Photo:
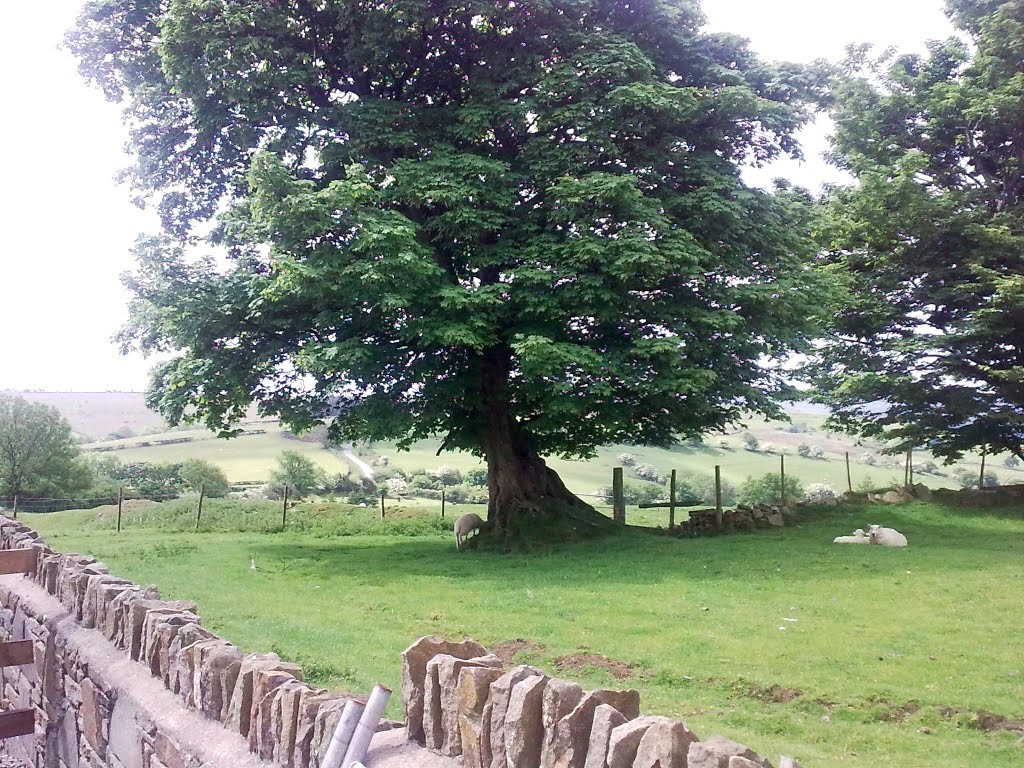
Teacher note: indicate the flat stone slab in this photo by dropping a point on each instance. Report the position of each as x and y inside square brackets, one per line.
[392, 749]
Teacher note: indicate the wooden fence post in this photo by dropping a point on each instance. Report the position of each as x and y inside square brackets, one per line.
[782, 473]
[618, 503]
[15, 506]
[284, 509]
[718, 497]
[981, 476]
[442, 503]
[672, 502]
[120, 499]
[849, 482]
[382, 505]
[910, 461]
[199, 512]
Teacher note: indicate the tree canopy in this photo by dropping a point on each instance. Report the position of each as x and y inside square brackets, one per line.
[520, 226]
[930, 244]
[38, 454]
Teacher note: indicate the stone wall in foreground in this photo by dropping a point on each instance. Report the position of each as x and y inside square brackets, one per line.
[96, 708]
[459, 701]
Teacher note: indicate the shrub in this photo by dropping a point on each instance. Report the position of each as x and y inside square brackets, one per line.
[991, 479]
[769, 448]
[869, 458]
[820, 493]
[804, 450]
[694, 442]
[633, 493]
[396, 486]
[647, 472]
[477, 477]
[626, 459]
[798, 428]
[817, 452]
[1011, 462]
[750, 442]
[197, 473]
[702, 489]
[767, 489]
[723, 444]
[447, 475]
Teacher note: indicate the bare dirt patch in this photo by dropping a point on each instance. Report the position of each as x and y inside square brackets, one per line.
[620, 670]
[897, 713]
[508, 650]
[982, 719]
[773, 694]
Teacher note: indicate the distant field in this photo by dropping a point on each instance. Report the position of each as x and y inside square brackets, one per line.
[838, 655]
[252, 457]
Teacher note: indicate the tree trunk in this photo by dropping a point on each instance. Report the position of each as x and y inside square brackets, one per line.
[527, 498]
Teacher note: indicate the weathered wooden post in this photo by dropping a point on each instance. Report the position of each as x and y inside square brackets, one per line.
[849, 482]
[672, 501]
[442, 503]
[382, 505]
[782, 473]
[199, 511]
[910, 464]
[120, 498]
[15, 506]
[981, 476]
[618, 502]
[718, 497]
[284, 509]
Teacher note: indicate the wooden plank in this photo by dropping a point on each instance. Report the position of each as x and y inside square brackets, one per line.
[16, 653]
[17, 722]
[17, 560]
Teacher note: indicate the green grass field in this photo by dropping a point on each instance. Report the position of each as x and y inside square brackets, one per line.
[838, 655]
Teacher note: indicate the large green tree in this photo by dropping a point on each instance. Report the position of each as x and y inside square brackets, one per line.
[930, 345]
[38, 454]
[520, 226]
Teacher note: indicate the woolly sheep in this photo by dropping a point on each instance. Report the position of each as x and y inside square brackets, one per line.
[887, 537]
[858, 537]
[465, 525]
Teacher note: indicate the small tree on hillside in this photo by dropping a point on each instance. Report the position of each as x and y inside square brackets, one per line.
[38, 454]
[1011, 462]
[804, 450]
[300, 473]
[750, 442]
[199, 474]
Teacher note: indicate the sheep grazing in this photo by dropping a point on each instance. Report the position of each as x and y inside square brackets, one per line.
[887, 537]
[858, 537]
[465, 525]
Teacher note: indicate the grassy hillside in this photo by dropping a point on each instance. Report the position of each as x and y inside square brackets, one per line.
[252, 456]
[95, 415]
[839, 655]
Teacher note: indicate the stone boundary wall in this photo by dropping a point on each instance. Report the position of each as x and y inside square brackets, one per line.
[95, 709]
[458, 700]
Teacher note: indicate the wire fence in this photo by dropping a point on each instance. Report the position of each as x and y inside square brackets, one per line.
[15, 504]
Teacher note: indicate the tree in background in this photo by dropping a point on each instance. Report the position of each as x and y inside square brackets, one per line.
[520, 226]
[199, 474]
[300, 473]
[930, 244]
[38, 454]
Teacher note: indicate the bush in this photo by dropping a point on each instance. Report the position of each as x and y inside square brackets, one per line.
[819, 493]
[626, 459]
[798, 428]
[633, 493]
[1011, 462]
[769, 448]
[199, 474]
[476, 477]
[804, 450]
[927, 468]
[447, 475]
[750, 442]
[702, 490]
[817, 452]
[869, 458]
[647, 472]
[991, 479]
[767, 489]
[341, 484]
[723, 444]
[396, 486]
[694, 442]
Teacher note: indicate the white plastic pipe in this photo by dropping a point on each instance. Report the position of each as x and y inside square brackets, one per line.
[367, 726]
[343, 734]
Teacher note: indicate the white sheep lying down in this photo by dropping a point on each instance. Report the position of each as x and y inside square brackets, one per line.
[858, 537]
[887, 537]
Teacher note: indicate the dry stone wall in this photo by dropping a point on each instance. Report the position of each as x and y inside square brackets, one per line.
[95, 708]
[459, 700]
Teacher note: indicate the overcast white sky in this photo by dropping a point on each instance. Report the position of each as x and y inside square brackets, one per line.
[67, 228]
